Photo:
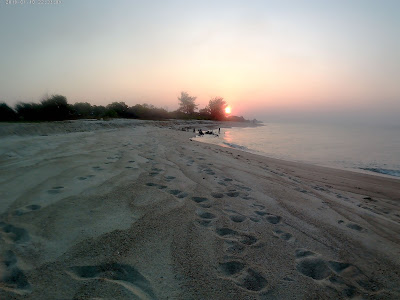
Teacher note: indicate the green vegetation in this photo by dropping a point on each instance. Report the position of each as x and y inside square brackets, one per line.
[56, 108]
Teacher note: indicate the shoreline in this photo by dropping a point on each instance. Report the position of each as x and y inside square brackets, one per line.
[84, 125]
[313, 168]
[142, 211]
[356, 170]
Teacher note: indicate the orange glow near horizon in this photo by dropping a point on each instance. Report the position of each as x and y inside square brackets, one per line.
[228, 110]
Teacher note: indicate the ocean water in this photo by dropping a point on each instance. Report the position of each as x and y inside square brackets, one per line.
[366, 149]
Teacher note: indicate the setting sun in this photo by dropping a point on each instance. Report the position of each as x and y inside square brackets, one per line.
[228, 110]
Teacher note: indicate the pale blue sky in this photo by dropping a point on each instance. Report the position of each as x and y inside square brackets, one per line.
[266, 58]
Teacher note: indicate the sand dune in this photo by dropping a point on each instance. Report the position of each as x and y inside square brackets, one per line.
[138, 211]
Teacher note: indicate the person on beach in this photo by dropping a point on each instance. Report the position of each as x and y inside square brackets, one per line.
[219, 130]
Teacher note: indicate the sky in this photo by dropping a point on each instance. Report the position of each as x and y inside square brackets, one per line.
[270, 60]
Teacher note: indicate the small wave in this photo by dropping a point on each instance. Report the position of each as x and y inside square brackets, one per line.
[236, 146]
[383, 171]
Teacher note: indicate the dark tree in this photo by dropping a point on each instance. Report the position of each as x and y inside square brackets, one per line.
[204, 113]
[55, 108]
[110, 113]
[119, 107]
[187, 103]
[216, 108]
[7, 113]
[29, 111]
[98, 111]
[83, 110]
[148, 111]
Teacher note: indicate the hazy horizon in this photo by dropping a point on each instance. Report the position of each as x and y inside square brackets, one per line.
[270, 60]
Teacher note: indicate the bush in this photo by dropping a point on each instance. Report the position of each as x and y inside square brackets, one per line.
[150, 112]
[29, 111]
[83, 110]
[7, 113]
[120, 108]
[98, 111]
[110, 113]
[55, 108]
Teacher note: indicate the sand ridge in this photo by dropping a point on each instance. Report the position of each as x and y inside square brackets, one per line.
[141, 212]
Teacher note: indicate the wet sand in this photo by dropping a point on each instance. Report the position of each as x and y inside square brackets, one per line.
[139, 211]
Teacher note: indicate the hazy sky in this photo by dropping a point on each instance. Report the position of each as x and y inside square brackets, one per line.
[268, 59]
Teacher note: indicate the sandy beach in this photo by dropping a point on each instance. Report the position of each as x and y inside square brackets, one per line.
[137, 210]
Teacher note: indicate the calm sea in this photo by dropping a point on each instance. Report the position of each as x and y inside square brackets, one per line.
[358, 148]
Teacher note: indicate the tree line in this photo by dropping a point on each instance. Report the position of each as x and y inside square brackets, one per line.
[57, 108]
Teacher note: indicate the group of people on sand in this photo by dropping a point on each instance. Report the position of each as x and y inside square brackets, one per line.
[207, 132]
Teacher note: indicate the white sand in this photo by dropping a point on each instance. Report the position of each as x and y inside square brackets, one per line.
[135, 210]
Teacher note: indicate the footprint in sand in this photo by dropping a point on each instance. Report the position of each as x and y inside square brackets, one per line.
[199, 199]
[237, 218]
[209, 171]
[259, 206]
[13, 234]
[12, 278]
[160, 186]
[233, 247]
[86, 177]
[217, 195]
[178, 193]
[241, 275]
[225, 181]
[113, 157]
[121, 274]
[273, 219]
[97, 168]
[260, 213]
[311, 265]
[230, 234]
[353, 226]
[232, 194]
[205, 217]
[202, 201]
[248, 239]
[55, 190]
[283, 235]
[226, 232]
[157, 170]
[169, 178]
[254, 219]
[26, 209]
[206, 170]
[346, 278]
